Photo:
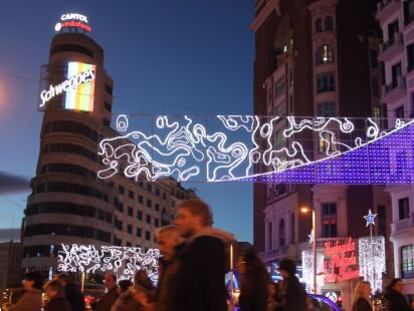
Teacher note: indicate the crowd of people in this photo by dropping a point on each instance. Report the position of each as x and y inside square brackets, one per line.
[195, 259]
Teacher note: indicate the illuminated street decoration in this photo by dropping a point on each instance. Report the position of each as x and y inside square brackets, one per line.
[340, 262]
[73, 20]
[370, 218]
[260, 149]
[372, 260]
[123, 261]
[79, 88]
[307, 265]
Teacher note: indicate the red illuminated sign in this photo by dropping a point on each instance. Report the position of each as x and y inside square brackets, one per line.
[340, 262]
[73, 20]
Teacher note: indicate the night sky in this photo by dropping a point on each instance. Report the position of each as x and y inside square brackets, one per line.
[165, 57]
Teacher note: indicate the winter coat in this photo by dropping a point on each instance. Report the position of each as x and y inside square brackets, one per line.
[361, 305]
[107, 300]
[30, 301]
[199, 284]
[253, 295]
[75, 297]
[295, 295]
[59, 303]
[395, 301]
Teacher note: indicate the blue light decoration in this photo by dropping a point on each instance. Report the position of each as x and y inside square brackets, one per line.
[370, 218]
[247, 148]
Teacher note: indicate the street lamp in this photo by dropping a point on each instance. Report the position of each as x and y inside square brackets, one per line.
[305, 210]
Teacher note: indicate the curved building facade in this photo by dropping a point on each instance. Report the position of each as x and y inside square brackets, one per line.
[68, 203]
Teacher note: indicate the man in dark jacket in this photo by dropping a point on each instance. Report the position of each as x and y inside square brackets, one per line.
[56, 298]
[107, 300]
[202, 264]
[295, 295]
[394, 299]
[72, 292]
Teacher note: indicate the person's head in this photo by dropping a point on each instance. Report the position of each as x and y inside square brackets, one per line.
[396, 284]
[273, 289]
[110, 280]
[124, 285]
[53, 289]
[287, 268]
[141, 279]
[362, 290]
[63, 278]
[250, 265]
[32, 280]
[193, 215]
[168, 238]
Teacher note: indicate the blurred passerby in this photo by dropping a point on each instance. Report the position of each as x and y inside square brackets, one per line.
[31, 299]
[313, 304]
[394, 299]
[294, 298]
[123, 286]
[107, 300]
[203, 264]
[253, 285]
[274, 298]
[57, 300]
[72, 292]
[360, 300]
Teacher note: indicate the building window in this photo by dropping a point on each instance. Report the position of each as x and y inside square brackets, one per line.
[393, 28]
[139, 232]
[280, 86]
[147, 235]
[407, 261]
[373, 55]
[282, 232]
[399, 112]
[292, 215]
[121, 189]
[396, 72]
[375, 87]
[140, 199]
[404, 208]
[148, 219]
[131, 194]
[318, 25]
[326, 109]
[156, 222]
[329, 23]
[108, 106]
[149, 187]
[410, 57]
[129, 229]
[139, 215]
[157, 207]
[324, 55]
[149, 203]
[408, 11]
[108, 89]
[157, 192]
[130, 211]
[329, 220]
[325, 83]
[270, 235]
[382, 220]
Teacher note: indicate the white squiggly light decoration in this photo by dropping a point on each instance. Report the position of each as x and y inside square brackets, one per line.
[123, 261]
[372, 260]
[187, 149]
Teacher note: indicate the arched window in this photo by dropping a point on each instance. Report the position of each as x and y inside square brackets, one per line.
[318, 25]
[282, 232]
[325, 55]
[328, 23]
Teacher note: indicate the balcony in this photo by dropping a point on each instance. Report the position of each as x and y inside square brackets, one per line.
[402, 225]
[386, 8]
[394, 91]
[393, 47]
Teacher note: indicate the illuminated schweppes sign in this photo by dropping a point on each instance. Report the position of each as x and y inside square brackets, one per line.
[79, 88]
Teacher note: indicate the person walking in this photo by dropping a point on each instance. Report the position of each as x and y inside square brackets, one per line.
[394, 299]
[360, 301]
[107, 300]
[294, 298]
[274, 299]
[254, 280]
[72, 292]
[31, 299]
[57, 300]
[204, 261]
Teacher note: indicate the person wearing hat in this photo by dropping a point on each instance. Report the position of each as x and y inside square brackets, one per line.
[31, 299]
[294, 294]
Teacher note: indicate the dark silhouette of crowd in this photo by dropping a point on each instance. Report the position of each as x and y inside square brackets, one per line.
[194, 260]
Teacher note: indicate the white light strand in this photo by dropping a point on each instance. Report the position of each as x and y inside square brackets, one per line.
[123, 261]
[187, 150]
[372, 263]
[307, 266]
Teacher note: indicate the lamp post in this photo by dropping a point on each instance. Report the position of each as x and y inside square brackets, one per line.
[306, 210]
